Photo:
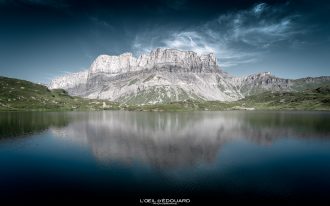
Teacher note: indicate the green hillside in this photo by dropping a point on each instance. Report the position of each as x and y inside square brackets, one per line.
[316, 99]
[20, 95]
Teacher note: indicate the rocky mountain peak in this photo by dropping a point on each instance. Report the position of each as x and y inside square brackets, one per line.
[69, 80]
[159, 57]
[113, 64]
[259, 75]
[166, 75]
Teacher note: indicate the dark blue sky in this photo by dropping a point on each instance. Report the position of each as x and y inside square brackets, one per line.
[41, 39]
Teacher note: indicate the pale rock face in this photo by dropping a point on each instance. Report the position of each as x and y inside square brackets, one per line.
[166, 75]
[163, 75]
[113, 64]
[239, 81]
[127, 63]
[69, 80]
[261, 82]
[163, 86]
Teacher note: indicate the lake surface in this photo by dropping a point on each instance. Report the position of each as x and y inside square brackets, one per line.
[128, 157]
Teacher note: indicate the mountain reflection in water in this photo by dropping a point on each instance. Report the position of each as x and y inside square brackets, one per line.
[183, 140]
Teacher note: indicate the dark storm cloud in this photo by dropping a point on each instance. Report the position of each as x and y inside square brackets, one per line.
[41, 38]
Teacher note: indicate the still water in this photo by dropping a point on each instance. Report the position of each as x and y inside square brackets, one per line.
[126, 157]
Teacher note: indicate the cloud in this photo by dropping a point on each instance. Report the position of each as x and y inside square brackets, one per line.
[189, 41]
[259, 8]
[236, 37]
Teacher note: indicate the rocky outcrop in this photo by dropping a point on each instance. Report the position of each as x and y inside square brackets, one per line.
[261, 82]
[166, 75]
[163, 75]
[74, 83]
[265, 81]
[112, 65]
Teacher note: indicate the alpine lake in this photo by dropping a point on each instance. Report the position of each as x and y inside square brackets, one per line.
[144, 158]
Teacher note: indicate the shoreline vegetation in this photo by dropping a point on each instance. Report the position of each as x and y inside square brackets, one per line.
[21, 95]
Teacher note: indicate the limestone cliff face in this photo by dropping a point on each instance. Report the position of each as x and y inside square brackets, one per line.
[163, 75]
[124, 63]
[166, 75]
[75, 83]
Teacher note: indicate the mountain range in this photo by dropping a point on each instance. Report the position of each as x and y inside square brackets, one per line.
[167, 75]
